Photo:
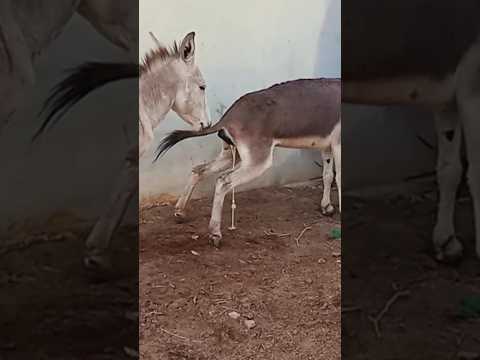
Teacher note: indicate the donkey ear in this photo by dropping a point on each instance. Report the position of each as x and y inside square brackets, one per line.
[187, 49]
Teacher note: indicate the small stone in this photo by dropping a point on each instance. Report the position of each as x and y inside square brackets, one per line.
[234, 315]
[195, 237]
[250, 324]
[309, 281]
[322, 261]
[249, 316]
[195, 253]
[336, 254]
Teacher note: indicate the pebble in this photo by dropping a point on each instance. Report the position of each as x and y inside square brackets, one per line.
[250, 324]
[234, 315]
[322, 261]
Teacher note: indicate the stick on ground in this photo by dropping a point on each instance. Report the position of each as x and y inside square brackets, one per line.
[376, 319]
[297, 239]
[178, 336]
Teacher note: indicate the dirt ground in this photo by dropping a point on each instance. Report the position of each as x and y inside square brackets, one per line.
[189, 290]
[386, 249]
[51, 308]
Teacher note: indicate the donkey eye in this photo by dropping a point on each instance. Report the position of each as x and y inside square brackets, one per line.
[202, 87]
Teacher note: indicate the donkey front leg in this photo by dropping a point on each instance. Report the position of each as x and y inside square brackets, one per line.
[200, 172]
[449, 173]
[326, 204]
[251, 167]
[99, 239]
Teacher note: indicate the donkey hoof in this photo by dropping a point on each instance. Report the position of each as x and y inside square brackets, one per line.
[327, 210]
[97, 262]
[180, 216]
[215, 239]
[451, 252]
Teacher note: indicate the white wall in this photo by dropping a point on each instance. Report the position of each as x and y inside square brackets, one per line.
[241, 46]
[380, 145]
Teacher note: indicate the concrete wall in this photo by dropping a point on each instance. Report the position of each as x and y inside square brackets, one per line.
[380, 145]
[241, 46]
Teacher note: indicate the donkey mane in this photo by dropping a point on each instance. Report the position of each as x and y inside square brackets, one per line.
[161, 53]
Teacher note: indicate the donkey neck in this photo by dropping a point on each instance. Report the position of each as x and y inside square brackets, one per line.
[158, 89]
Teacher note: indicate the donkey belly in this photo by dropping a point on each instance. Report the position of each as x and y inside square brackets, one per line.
[307, 142]
[400, 91]
[314, 140]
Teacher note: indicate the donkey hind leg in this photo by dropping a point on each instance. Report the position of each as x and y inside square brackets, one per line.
[200, 172]
[99, 239]
[252, 166]
[326, 204]
[449, 173]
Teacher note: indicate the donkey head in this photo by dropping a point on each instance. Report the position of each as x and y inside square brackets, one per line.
[190, 101]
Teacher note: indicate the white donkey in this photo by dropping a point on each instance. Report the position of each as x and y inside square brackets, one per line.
[26, 31]
[169, 79]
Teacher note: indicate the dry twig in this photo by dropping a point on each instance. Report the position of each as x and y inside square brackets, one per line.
[178, 336]
[272, 233]
[376, 319]
[297, 239]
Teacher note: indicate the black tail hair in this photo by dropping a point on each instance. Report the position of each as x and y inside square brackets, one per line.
[178, 135]
[81, 81]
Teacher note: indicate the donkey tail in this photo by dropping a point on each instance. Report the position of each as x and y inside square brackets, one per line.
[178, 135]
[78, 84]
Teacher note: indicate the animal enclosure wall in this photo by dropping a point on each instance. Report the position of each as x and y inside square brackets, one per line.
[241, 47]
[385, 145]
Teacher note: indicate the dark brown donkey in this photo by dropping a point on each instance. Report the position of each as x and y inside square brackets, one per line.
[302, 114]
[425, 53]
